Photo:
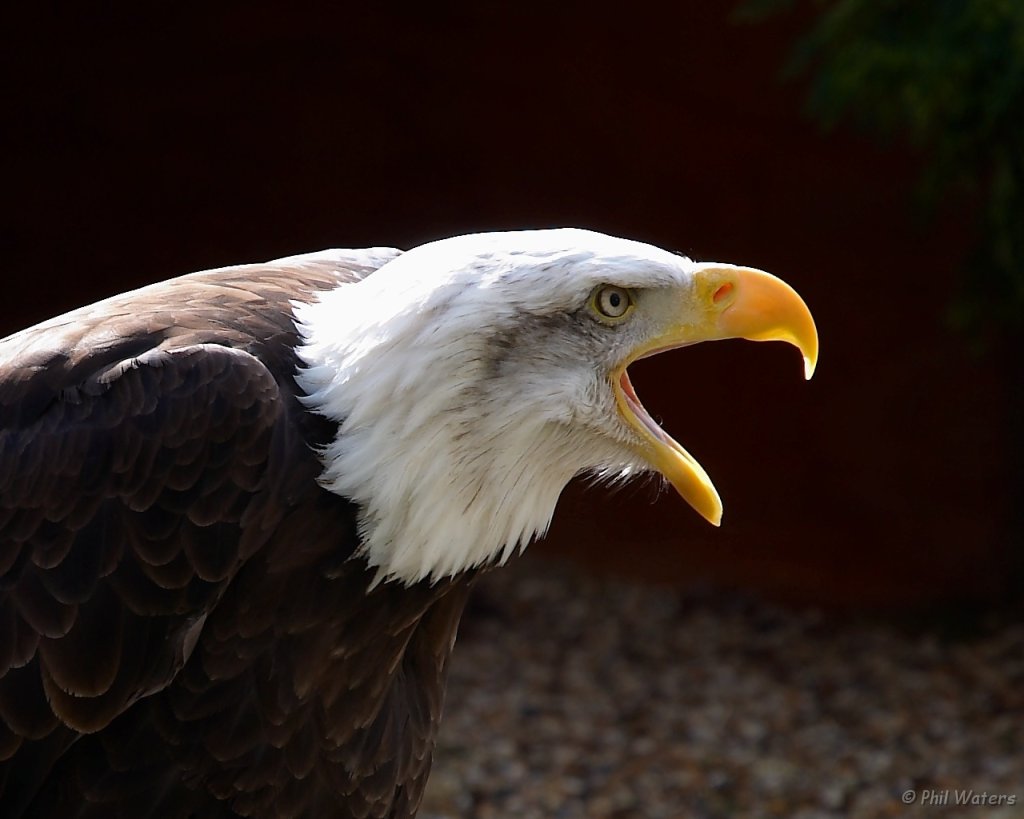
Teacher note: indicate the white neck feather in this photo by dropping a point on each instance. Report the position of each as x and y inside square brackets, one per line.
[465, 397]
[451, 466]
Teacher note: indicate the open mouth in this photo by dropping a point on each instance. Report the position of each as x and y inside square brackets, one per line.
[666, 454]
[640, 412]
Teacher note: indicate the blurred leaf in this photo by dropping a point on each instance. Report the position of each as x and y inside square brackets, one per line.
[948, 78]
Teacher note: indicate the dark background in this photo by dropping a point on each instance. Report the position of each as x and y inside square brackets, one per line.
[144, 148]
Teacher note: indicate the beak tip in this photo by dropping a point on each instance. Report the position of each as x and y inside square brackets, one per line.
[714, 515]
[809, 365]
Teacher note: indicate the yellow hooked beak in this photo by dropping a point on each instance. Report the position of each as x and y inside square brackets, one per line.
[726, 302]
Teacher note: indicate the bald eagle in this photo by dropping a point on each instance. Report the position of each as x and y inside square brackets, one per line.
[241, 510]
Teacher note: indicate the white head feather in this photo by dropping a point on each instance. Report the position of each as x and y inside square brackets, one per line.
[470, 384]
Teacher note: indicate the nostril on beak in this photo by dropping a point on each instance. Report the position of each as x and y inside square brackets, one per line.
[722, 292]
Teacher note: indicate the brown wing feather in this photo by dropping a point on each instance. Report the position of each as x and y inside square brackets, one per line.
[99, 651]
[183, 631]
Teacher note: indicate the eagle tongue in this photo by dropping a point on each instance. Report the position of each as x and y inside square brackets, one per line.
[681, 469]
[641, 412]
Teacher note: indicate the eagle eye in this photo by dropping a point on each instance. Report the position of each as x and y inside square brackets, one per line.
[611, 302]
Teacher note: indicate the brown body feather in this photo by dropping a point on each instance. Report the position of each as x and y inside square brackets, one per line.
[184, 631]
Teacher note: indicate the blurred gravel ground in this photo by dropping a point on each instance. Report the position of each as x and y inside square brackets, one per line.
[573, 696]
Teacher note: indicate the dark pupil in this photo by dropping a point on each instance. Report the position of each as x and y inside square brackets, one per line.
[614, 299]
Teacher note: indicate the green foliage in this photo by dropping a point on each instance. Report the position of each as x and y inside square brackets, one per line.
[947, 76]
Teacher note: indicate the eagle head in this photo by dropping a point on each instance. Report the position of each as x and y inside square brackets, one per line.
[471, 378]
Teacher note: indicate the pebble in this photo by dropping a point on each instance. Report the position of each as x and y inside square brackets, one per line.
[578, 697]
